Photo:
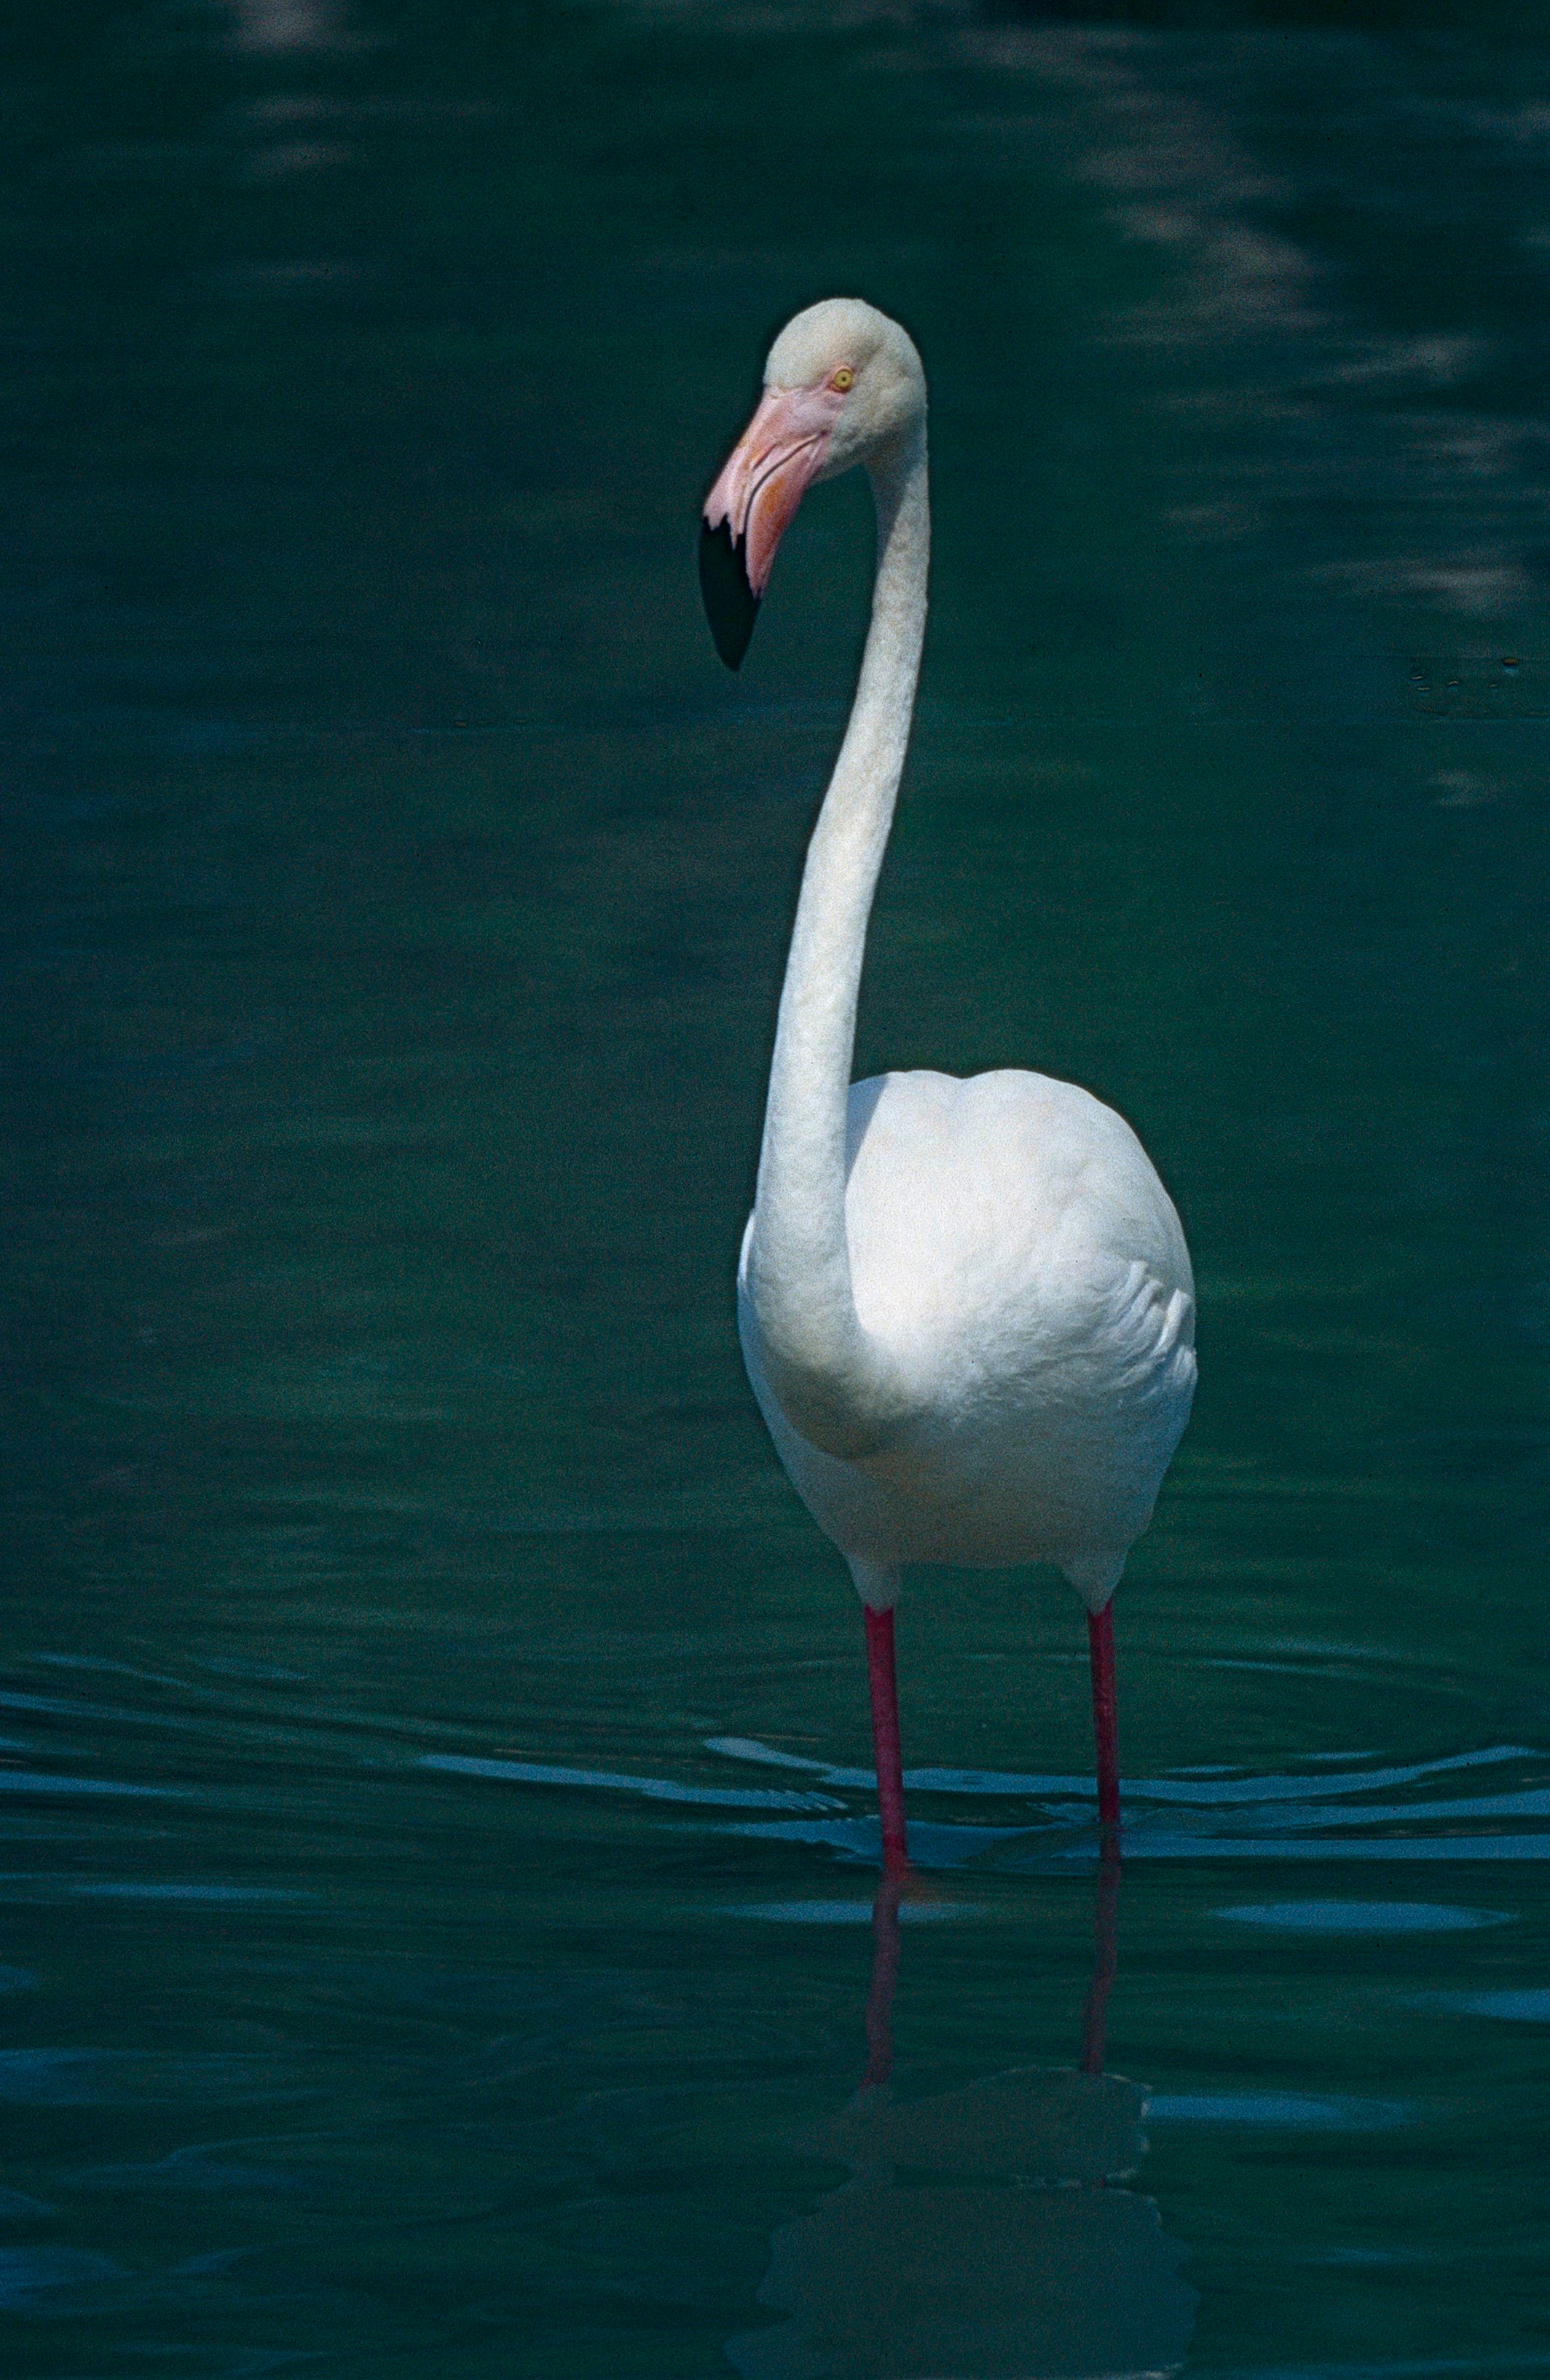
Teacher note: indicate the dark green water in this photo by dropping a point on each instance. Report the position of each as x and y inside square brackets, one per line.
[397, 898]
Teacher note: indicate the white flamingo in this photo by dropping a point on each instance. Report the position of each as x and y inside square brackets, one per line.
[966, 1306]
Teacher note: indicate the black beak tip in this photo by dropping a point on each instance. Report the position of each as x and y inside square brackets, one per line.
[731, 605]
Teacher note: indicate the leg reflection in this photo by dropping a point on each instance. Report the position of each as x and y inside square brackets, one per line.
[1106, 1952]
[885, 1974]
[941, 2253]
[886, 1947]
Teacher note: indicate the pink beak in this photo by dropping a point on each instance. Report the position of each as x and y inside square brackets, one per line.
[769, 471]
[750, 506]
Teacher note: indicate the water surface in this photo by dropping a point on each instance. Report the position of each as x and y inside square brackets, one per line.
[439, 1934]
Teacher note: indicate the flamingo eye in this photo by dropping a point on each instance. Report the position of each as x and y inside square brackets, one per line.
[843, 379]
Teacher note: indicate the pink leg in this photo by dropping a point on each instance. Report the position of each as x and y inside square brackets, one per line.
[1099, 1645]
[884, 1736]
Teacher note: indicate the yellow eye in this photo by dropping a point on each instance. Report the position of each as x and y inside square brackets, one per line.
[843, 379]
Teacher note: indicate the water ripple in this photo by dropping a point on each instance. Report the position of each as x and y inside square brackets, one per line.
[652, 1789]
[1189, 1817]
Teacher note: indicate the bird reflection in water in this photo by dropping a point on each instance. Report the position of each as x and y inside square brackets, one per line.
[984, 2234]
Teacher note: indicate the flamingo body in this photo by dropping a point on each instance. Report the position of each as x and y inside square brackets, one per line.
[1013, 1250]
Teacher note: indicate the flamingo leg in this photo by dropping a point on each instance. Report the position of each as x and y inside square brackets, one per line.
[882, 1681]
[1099, 1645]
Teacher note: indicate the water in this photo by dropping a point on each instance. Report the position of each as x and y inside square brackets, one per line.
[439, 1931]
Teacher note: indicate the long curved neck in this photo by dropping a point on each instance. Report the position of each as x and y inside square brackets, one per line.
[834, 1384]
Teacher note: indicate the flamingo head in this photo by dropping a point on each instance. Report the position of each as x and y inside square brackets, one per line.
[843, 385]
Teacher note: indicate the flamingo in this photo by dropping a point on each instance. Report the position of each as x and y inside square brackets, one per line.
[964, 1306]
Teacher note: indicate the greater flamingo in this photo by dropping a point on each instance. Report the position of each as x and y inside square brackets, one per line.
[966, 1306]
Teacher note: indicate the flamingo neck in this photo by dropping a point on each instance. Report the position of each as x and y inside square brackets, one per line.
[833, 1383]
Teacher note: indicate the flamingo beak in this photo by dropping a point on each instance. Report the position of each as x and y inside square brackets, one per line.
[750, 506]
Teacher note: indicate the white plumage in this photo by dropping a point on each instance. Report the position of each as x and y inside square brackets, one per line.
[1013, 1250]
